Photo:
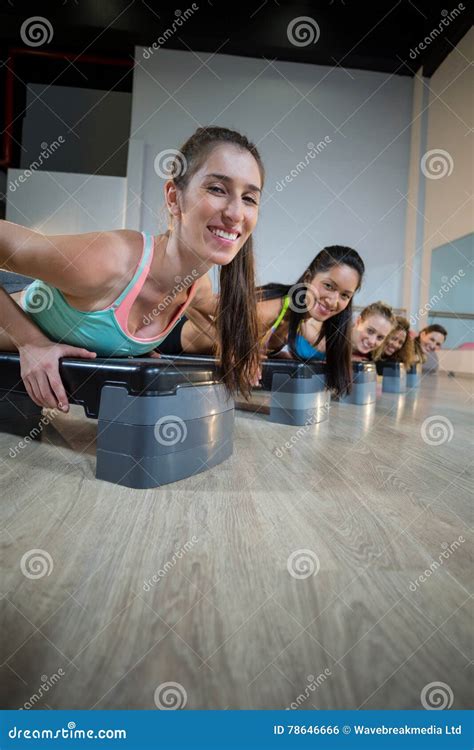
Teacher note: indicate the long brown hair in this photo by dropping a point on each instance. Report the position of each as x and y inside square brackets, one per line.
[236, 319]
[406, 353]
[336, 330]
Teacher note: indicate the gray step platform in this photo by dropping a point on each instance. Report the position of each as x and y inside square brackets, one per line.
[295, 391]
[158, 422]
[364, 385]
[414, 376]
[394, 376]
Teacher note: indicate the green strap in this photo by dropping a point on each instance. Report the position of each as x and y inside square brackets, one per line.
[282, 314]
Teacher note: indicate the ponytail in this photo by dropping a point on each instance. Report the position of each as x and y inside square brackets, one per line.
[236, 322]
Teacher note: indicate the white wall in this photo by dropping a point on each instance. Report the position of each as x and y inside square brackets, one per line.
[59, 202]
[350, 193]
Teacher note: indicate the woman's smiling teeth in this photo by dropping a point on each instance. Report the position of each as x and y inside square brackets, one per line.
[231, 236]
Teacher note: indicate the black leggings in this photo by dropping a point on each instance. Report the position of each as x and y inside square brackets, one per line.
[172, 343]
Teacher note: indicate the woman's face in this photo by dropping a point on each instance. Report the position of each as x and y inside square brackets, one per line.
[432, 341]
[395, 342]
[368, 334]
[329, 292]
[218, 210]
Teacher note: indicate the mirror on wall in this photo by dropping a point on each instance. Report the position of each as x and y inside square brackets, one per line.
[451, 298]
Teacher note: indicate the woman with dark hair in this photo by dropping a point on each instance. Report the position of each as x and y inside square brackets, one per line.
[427, 344]
[309, 320]
[313, 316]
[120, 293]
[371, 329]
[398, 346]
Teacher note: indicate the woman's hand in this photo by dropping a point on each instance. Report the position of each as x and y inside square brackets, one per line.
[257, 376]
[39, 362]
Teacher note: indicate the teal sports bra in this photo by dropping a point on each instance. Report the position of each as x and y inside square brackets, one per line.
[102, 331]
[302, 345]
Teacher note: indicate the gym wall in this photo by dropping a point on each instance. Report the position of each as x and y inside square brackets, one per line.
[350, 191]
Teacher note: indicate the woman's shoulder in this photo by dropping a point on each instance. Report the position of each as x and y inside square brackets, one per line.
[268, 310]
[115, 253]
[78, 264]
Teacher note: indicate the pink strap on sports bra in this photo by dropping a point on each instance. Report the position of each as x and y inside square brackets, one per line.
[122, 312]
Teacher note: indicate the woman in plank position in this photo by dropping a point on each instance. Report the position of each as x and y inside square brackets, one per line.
[120, 293]
[309, 320]
[427, 345]
[398, 346]
[371, 329]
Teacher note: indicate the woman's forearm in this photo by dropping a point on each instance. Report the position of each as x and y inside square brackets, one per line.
[16, 324]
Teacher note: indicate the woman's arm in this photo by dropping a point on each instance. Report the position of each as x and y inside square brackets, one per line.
[199, 334]
[77, 264]
[267, 312]
[16, 328]
[39, 357]
[205, 301]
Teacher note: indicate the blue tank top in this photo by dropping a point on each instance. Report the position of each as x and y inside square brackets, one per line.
[305, 350]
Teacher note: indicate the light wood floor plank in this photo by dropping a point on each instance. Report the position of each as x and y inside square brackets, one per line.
[191, 583]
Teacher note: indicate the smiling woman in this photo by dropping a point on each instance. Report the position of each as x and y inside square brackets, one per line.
[97, 290]
[312, 318]
[309, 320]
[371, 328]
[398, 346]
[428, 342]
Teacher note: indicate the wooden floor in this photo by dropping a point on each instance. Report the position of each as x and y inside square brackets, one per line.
[286, 576]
